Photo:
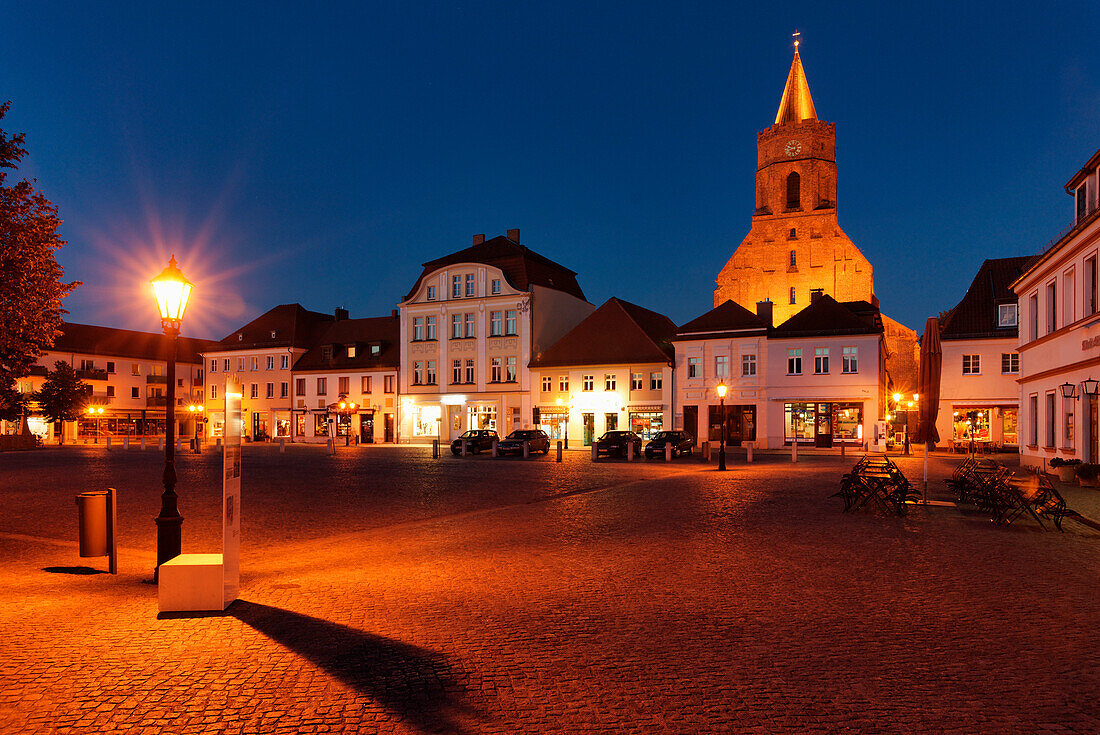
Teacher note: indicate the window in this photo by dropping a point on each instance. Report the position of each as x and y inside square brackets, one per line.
[748, 365]
[269, 390]
[470, 325]
[375, 350]
[695, 367]
[1033, 420]
[254, 363]
[470, 285]
[494, 370]
[848, 361]
[342, 385]
[494, 323]
[240, 364]
[791, 298]
[972, 364]
[496, 286]
[793, 260]
[456, 371]
[1010, 363]
[821, 360]
[456, 326]
[588, 382]
[470, 371]
[271, 362]
[225, 364]
[1050, 420]
[254, 390]
[213, 366]
[322, 386]
[563, 383]
[793, 235]
[352, 350]
[794, 361]
[1006, 315]
[510, 322]
[430, 328]
[418, 372]
[1090, 286]
[636, 381]
[110, 391]
[1052, 307]
[1082, 201]
[1067, 425]
[1033, 316]
[135, 369]
[1069, 291]
[547, 384]
[722, 366]
[431, 293]
[388, 383]
[608, 381]
[510, 369]
[284, 361]
[794, 195]
[213, 392]
[456, 287]
[418, 329]
[655, 381]
[299, 386]
[429, 372]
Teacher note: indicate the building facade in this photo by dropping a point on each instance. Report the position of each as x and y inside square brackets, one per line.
[1059, 342]
[614, 370]
[470, 326]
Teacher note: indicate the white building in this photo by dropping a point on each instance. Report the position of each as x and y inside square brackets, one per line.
[1060, 335]
[612, 371]
[470, 326]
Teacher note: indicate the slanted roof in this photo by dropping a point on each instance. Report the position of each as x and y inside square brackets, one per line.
[726, 317]
[976, 315]
[617, 333]
[521, 266]
[826, 316]
[111, 342]
[796, 105]
[293, 327]
[382, 330]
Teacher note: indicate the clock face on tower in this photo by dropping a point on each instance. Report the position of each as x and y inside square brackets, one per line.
[793, 148]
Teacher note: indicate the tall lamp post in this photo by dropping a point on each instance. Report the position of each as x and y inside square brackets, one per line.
[568, 413]
[721, 389]
[172, 291]
[96, 411]
[196, 412]
[346, 410]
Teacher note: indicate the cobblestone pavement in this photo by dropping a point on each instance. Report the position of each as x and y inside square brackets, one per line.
[383, 591]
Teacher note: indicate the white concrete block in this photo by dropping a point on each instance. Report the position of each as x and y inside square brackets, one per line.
[191, 583]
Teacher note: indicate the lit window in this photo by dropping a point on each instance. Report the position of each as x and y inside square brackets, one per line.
[695, 367]
[1010, 363]
[1006, 315]
[655, 381]
[748, 365]
[352, 350]
[722, 366]
[972, 364]
[547, 384]
[636, 381]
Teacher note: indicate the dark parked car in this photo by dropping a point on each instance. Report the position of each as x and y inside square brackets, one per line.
[681, 441]
[476, 441]
[614, 442]
[537, 440]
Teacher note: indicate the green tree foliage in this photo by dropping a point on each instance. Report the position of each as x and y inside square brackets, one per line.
[12, 403]
[30, 277]
[63, 395]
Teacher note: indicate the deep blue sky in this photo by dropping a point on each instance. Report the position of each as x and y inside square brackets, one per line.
[319, 152]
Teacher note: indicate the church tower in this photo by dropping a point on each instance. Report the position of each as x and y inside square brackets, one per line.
[795, 245]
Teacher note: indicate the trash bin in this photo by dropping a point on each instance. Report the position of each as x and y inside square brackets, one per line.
[92, 512]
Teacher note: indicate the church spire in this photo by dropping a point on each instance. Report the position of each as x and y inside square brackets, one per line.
[796, 105]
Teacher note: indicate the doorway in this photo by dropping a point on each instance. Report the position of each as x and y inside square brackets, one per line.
[366, 428]
[387, 428]
[610, 421]
[823, 431]
[691, 421]
[589, 420]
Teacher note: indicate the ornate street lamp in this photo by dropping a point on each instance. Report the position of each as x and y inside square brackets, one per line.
[347, 408]
[1069, 390]
[96, 411]
[1089, 387]
[196, 411]
[172, 291]
[721, 389]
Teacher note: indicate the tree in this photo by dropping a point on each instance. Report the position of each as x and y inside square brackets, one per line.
[30, 277]
[12, 403]
[62, 396]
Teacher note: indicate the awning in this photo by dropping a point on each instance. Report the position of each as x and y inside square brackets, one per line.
[985, 404]
[651, 409]
[553, 409]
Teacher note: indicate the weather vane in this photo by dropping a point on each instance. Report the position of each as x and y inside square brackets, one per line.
[795, 36]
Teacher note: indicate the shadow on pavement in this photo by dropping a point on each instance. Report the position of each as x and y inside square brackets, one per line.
[73, 570]
[414, 683]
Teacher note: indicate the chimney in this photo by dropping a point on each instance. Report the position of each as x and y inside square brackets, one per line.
[764, 311]
[815, 294]
[393, 313]
[478, 239]
[341, 314]
[513, 235]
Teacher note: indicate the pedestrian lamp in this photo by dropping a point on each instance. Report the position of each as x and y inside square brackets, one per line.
[1089, 387]
[721, 389]
[568, 412]
[97, 412]
[172, 291]
[196, 411]
[1069, 390]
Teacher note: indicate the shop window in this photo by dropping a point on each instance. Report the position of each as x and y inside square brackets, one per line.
[646, 424]
[320, 424]
[1033, 420]
[1067, 422]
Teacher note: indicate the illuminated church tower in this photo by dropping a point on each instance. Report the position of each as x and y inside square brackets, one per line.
[795, 245]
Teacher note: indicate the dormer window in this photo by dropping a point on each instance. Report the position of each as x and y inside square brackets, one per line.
[1082, 201]
[352, 351]
[375, 350]
[496, 286]
[1007, 315]
[431, 293]
[456, 287]
[326, 353]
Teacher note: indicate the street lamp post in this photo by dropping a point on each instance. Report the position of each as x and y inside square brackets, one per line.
[568, 412]
[96, 411]
[172, 291]
[721, 389]
[346, 411]
[196, 412]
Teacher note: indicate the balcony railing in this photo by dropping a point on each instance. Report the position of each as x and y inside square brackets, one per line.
[39, 370]
[91, 374]
[154, 401]
[1078, 222]
[156, 379]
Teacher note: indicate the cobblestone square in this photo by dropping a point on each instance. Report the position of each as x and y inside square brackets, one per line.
[383, 591]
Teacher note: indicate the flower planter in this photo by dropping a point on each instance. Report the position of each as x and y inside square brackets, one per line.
[1066, 473]
[1088, 481]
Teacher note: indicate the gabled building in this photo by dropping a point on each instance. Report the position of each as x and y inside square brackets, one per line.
[470, 326]
[347, 380]
[979, 396]
[612, 371]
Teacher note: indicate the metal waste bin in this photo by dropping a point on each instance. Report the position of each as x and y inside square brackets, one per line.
[92, 512]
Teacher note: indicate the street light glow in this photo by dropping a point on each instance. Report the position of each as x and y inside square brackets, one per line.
[172, 291]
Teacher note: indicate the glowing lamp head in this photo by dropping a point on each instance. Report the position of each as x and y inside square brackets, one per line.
[351, 406]
[343, 405]
[897, 397]
[91, 409]
[721, 390]
[172, 291]
[916, 397]
[559, 401]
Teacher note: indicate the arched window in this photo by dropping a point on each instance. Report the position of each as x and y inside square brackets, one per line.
[792, 294]
[794, 198]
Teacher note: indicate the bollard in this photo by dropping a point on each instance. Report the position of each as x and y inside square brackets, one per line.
[668, 451]
[594, 455]
[706, 451]
[198, 445]
[630, 451]
[143, 443]
[160, 443]
[125, 442]
[464, 443]
[218, 443]
[495, 452]
[177, 443]
[559, 451]
[841, 447]
[749, 447]
[526, 448]
[435, 449]
[282, 445]
[108, 442]
[331, 446]
[794, 450]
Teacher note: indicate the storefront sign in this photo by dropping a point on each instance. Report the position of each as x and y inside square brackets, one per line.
[1088, 344]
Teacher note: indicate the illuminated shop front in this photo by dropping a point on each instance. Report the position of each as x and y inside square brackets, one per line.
[426, 420]
[823, 424]
[482, 416]
[996, 425]
[553, 420]
[647, 422]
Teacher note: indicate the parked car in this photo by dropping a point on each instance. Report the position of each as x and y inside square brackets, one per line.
[537, 441]
[681, 441]
[615, 442]
[476, 441]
